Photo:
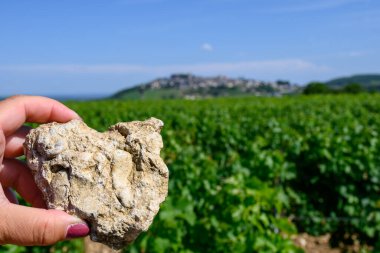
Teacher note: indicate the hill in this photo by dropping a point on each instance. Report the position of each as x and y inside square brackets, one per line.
[190, 86]
[369, 82]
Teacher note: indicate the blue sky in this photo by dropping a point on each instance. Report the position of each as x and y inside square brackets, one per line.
[99, 47]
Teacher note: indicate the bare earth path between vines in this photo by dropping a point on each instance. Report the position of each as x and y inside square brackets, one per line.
[320, 244]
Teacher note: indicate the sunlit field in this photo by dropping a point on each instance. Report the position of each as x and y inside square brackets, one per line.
[249, 174]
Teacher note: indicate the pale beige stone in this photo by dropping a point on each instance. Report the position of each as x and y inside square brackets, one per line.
[114, 180]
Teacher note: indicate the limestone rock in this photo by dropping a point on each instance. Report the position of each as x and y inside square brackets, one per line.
[114, 180]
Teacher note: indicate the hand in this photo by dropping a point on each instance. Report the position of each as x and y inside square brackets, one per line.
[23, 225]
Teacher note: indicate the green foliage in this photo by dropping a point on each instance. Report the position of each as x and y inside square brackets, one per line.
[353, 88]
[368, 82]
[73, 246]
[316, 88]
[322, 88]
[246, 172]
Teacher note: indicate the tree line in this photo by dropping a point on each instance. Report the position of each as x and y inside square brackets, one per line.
[322, 88]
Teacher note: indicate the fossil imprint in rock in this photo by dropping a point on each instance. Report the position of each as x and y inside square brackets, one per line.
[114, 180]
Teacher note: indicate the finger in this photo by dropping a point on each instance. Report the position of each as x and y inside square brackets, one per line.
[11, 196]
[14, 142]
[2, 145]
[3, 199]
[15, 111]
[16, 175]
[29, 226]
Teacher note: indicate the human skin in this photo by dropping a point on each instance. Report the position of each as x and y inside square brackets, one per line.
[22, 225]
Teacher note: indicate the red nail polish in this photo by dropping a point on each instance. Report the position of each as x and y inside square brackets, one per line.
[77, 230]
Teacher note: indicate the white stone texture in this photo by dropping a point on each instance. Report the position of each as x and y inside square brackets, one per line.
[115, 180]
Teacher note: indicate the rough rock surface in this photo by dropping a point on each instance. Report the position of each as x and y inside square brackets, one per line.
[114, 180]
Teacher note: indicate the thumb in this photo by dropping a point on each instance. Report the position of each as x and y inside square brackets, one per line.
[29, 226]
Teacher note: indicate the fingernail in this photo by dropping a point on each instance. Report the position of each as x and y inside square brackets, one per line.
[77, 230]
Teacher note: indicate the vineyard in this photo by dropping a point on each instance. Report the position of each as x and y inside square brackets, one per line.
[248, 173]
